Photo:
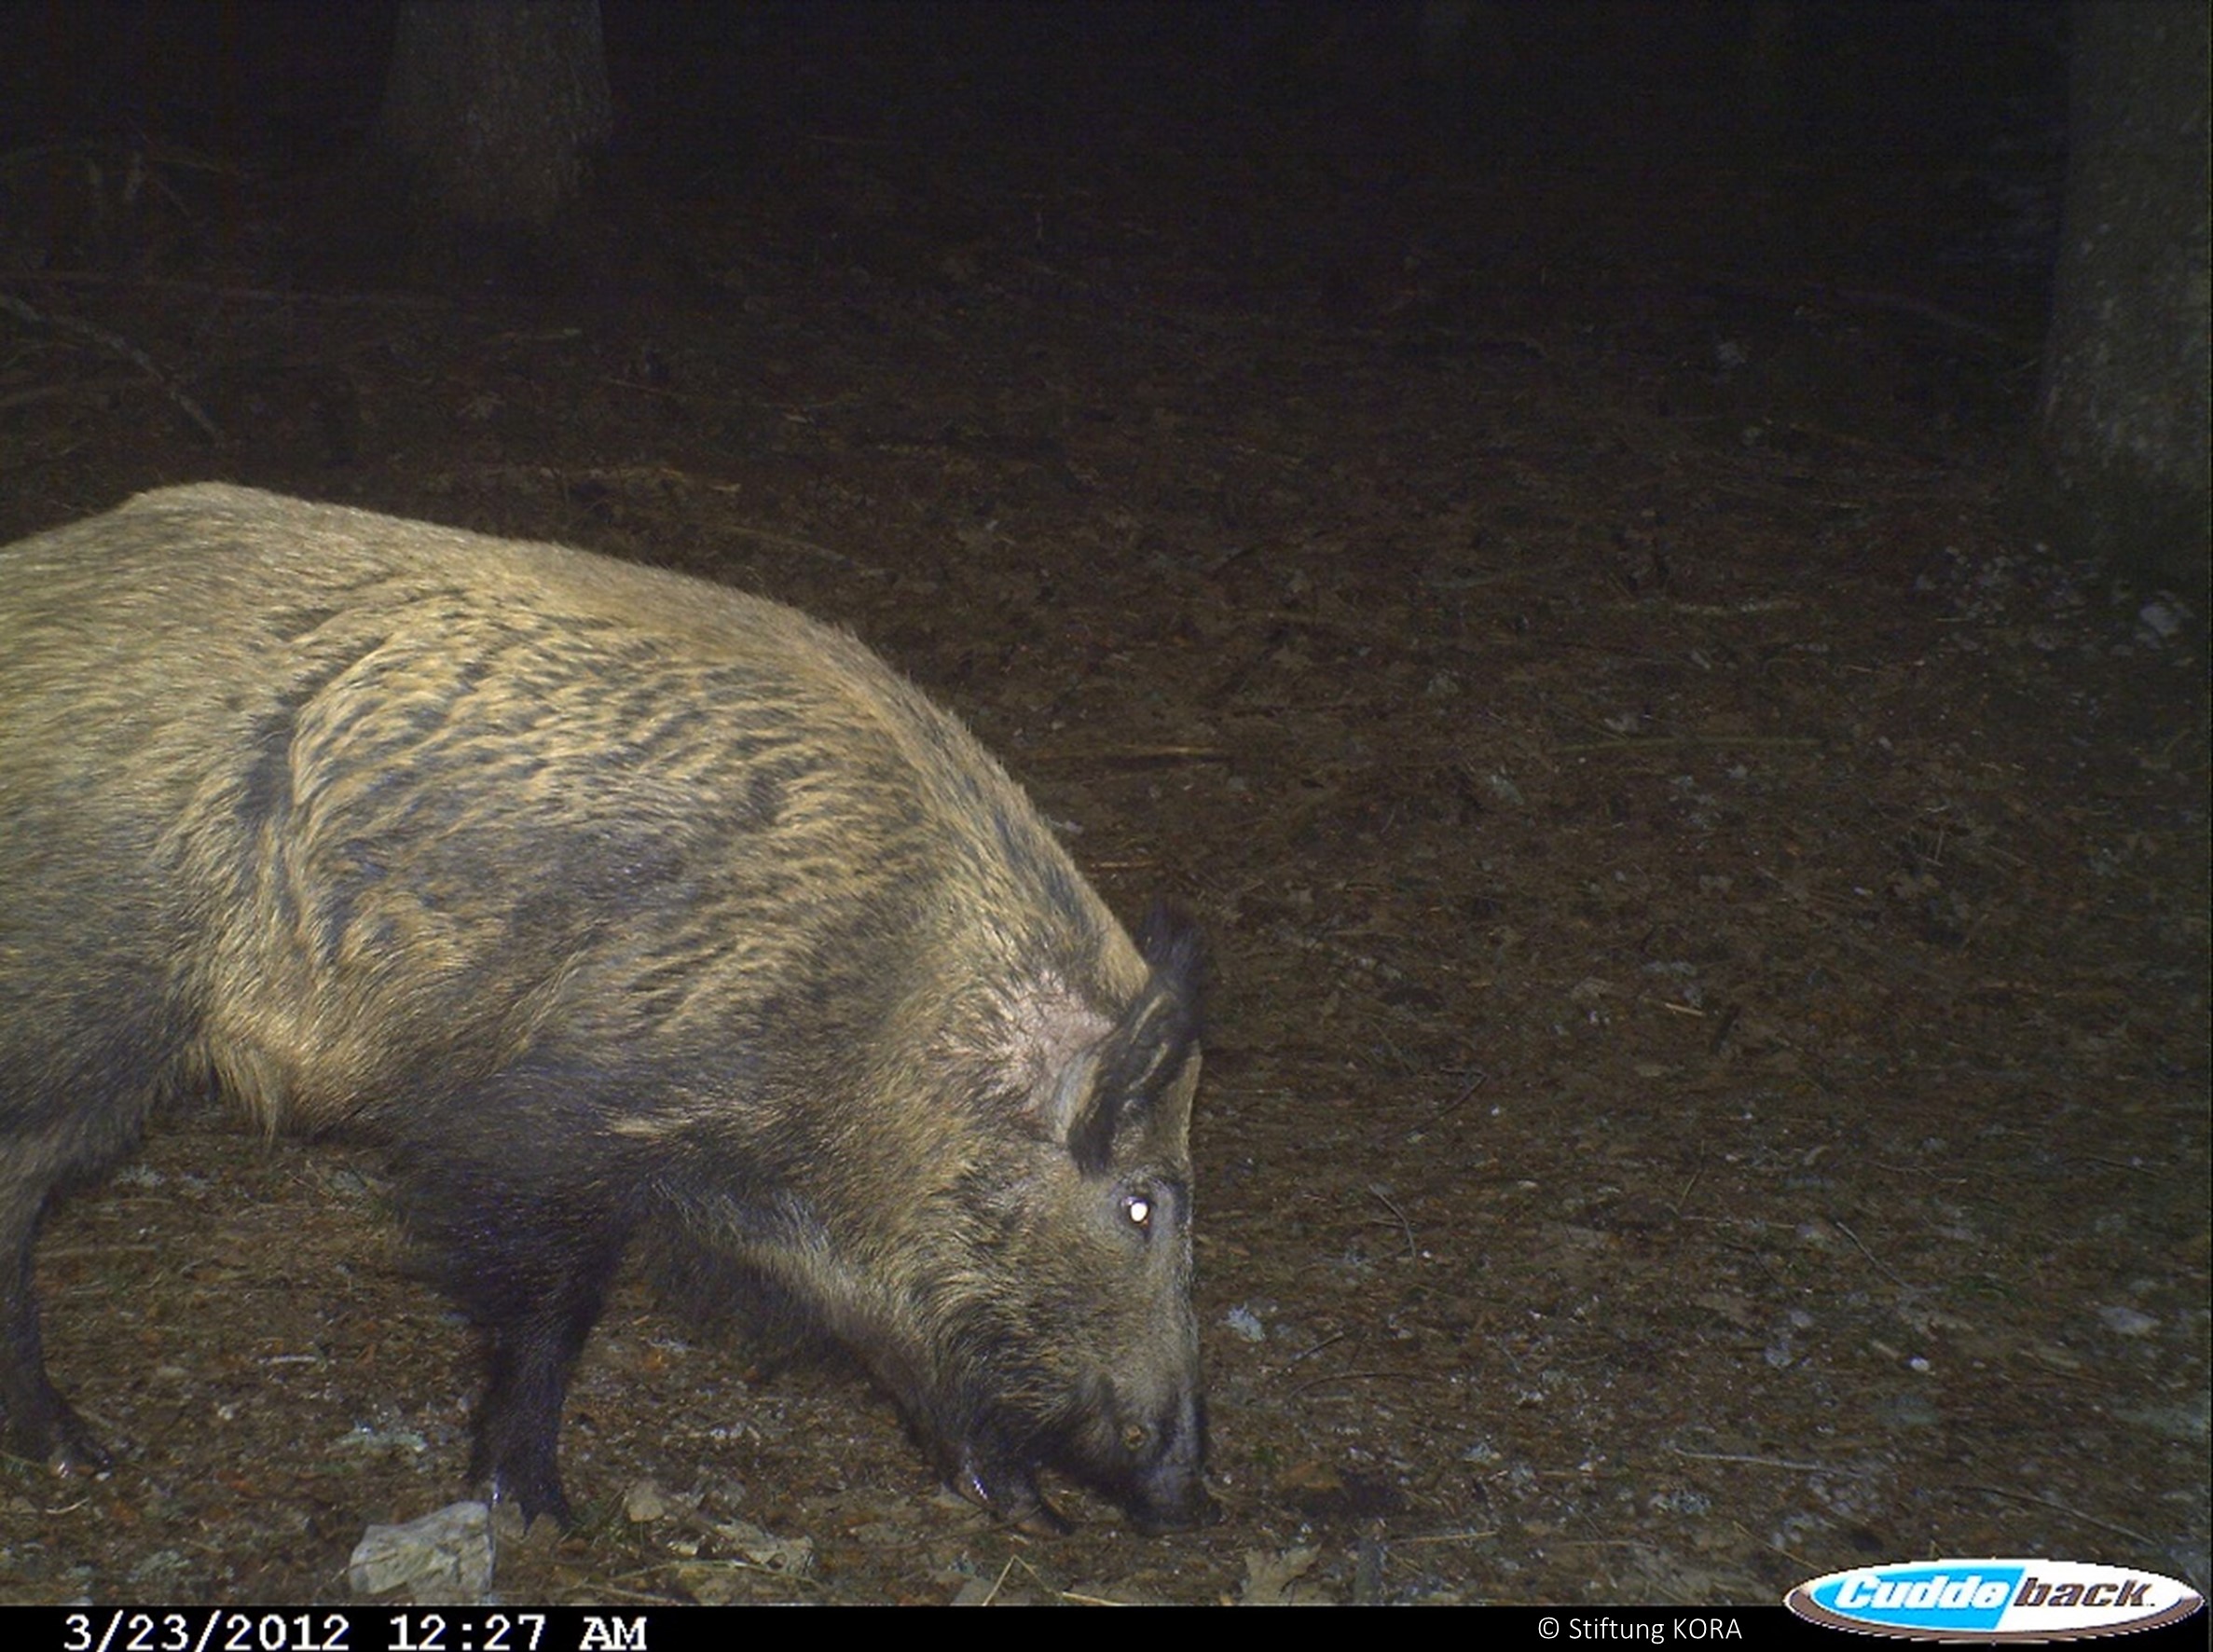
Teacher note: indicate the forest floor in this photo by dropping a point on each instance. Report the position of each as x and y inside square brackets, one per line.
[1707, 1079]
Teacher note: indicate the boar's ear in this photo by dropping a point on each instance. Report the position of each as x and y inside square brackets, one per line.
[1172, 945]
[1134, 1080]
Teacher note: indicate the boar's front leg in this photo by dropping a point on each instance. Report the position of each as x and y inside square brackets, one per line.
[519, 1421]
[536, 1283]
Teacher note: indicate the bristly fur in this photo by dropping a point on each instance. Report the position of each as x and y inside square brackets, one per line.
[611, 904]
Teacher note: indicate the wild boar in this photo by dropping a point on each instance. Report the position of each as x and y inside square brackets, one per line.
[612, 905]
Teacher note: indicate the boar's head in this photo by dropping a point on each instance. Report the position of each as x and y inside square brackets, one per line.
[1080, 1348]
[1008, 1245]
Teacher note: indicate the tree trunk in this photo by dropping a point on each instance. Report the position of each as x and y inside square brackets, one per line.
[2124, 443]
[493, 106]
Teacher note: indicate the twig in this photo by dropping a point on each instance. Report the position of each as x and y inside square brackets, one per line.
[1131, 756]
[1379, 1374]
[1326, 1341]
[1467, 1092]
[1722, 1028]
[1684, 1198]
[1869, 1255]
[208, 289]
[1750, 1462]
[1921, 309]
[118, 345]
[1405, 1227]
[1471, 1535]
[785, 542]
[998, 1583]
[1757, 742]
[2058, 1507]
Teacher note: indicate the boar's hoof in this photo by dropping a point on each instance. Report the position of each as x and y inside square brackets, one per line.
[63, 1443]
[535, 1495]
[77, 1453]
[534, 1505]
[1198, 1507]
[1013, 1496]
[1041, 1520]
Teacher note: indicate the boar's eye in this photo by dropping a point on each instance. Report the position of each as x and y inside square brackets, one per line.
[1152, 1204]
[1136, 1208]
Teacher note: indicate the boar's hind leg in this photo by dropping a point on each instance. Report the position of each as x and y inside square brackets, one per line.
[536, 1285]
[41, 1424]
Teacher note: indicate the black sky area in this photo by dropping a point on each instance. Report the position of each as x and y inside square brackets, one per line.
[1924, 79]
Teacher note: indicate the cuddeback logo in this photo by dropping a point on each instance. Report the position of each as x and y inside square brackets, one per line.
[1994, 1600]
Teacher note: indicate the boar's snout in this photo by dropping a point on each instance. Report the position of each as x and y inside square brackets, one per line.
[1155, 1467]
[1168, 1491]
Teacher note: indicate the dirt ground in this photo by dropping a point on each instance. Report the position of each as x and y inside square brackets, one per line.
[1707, 1081]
